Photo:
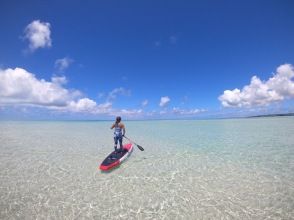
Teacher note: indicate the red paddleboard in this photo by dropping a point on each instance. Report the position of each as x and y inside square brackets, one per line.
[116, 158]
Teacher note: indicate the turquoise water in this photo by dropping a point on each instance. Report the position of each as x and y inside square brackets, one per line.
[202, 169]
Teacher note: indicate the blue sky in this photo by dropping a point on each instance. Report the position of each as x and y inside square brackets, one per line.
[145, 59]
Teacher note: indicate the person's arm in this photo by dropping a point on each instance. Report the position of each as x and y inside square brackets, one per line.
[112, 126]
[123, 129]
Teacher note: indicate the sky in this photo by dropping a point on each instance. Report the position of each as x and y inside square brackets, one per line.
[145, 59]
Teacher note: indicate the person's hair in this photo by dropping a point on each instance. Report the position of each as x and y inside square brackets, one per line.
[118, 119]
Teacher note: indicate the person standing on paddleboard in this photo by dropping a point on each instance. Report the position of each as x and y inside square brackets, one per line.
[119, 132]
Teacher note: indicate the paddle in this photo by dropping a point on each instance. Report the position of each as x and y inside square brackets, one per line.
[140, 147]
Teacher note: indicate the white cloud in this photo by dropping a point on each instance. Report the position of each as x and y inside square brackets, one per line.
[118, 91]
[59, 80]
[22, 87]
[180, 111]
[176, 111]
[164, 101]
[38, 35]
[82, 105]
[144, 103]
[62, 64]
[262, 93]
[91, 107]
[105, 105]
[129, 112]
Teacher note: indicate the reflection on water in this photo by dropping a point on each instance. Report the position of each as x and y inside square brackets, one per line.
[231, 169]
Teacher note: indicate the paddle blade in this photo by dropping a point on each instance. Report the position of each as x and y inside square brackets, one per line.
[141, 148]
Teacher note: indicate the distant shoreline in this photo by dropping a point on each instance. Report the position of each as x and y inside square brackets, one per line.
[272, 115]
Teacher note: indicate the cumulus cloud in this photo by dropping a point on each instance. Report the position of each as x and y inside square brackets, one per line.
[59, 80]
[19, 87]
[38, 35]
[105, 105]
[144, 103]
[82, 105]
[62, 64]
[85, 105]
[262, 93]
[22, 87]
[164, 101]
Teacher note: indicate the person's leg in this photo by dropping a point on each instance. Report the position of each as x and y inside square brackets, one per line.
[120, 143]
[115, 143]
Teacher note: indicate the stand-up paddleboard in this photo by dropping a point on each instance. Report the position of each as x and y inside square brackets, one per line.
[116, 158]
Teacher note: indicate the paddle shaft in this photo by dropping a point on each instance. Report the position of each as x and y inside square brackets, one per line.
[140, 147]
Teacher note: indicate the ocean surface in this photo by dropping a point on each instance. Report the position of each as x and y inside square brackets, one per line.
[190, 169]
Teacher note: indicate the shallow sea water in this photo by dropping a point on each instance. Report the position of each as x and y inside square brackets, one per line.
[194, 169]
